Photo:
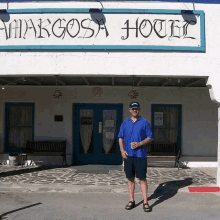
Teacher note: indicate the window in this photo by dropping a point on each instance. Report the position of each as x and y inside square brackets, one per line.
[19, 125]
[166, 127]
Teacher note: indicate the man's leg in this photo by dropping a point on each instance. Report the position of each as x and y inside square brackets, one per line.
[131, 187]
[130, 175]
[141, 171]
[144, 188]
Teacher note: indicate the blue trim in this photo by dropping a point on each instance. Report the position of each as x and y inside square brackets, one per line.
[101, 47]
[7, 105]
[29, 48]
[173, 1]
[104, 11]
[202, 26]
[179, 106]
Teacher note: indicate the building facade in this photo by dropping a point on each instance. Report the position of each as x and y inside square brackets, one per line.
[70, 69]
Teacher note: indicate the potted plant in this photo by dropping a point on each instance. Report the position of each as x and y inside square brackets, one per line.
[13, 156]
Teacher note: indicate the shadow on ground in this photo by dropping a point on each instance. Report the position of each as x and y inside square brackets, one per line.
[28, 170]
[94, 169]
[168, 189]
[4, 215]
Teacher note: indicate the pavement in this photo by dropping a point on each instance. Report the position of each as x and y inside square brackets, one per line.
[99, 179]
[108, 206]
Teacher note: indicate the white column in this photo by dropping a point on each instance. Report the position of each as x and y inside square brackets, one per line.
[218, 151]
[214, 91]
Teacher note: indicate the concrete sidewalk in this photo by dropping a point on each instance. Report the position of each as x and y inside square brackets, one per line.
[99, 178]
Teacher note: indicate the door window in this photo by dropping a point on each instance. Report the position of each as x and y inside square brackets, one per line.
[109, 131]
[86, 131]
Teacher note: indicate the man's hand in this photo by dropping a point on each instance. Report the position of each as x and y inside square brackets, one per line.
[136, 145]
[124, 154]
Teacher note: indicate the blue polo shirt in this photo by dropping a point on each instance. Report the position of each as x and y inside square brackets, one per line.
[135, 132]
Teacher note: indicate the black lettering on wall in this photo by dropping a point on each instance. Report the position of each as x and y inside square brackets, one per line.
[128, 28]
[5, 29]
[71, 27]
[43, 28]
[63, 29]
[87, 28]
[162, 27]
[20, 33]
[144, 25]
[101, 22]
[30, 27]
[17, 26]
[185, 29]
[91, 28]
[174, 29]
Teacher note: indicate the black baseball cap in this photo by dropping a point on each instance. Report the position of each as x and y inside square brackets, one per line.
[134, 105]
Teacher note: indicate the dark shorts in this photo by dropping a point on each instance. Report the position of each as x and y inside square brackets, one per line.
[135, 166]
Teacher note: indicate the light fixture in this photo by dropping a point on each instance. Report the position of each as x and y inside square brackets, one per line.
[98, 16]
[3, 87]
[188, 15]
[95, 10]
[56, 93]
[97, 91]
[133, 93]
[4, 15]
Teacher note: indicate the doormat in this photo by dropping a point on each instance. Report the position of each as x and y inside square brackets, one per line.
[93, 171]
[203, 189]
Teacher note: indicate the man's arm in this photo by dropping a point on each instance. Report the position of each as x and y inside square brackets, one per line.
[121, 144]
[144, 142]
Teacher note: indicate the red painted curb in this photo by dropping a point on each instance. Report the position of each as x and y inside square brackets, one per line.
[194, 189]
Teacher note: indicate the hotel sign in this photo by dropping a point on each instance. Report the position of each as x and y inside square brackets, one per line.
[111, 29]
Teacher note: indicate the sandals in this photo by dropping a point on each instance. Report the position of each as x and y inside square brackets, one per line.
[130, 205]
[146, 207]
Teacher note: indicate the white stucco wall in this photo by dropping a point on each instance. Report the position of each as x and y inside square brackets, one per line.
[199, 114]
[199, 132]
[125, 63]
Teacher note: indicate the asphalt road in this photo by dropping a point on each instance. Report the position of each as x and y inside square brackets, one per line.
[46, 206]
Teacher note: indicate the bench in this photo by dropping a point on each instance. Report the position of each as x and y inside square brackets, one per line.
[44, 148]
[165, 152]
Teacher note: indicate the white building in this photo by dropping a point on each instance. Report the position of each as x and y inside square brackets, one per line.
[95, 53]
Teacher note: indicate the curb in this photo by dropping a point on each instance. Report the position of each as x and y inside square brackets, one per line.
[45, 188]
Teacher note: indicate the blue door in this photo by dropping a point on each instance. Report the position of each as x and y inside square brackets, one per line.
[96, 127]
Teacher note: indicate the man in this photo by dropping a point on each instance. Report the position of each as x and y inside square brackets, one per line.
[134, 134]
